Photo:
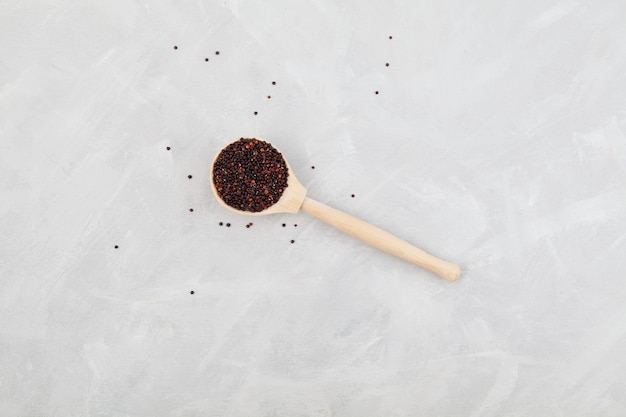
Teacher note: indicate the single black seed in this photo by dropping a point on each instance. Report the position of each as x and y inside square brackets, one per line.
[295, 225]
[284, 225]
[227, 224]
[312, 166]
[292, 241]
[269, 97]
[189, 176]
[175, 47]
[387, 64]
[352, 195]
[206, 59]
[191, 210]
[168, 148]
[247, 226]
[217, 52]
[256, 112]
[116, 246]
[375, 92]
[390, 37]
[221, 223]
[192, 292]
[273, 82]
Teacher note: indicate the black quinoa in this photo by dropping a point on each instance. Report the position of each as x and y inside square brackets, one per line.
[250, 175]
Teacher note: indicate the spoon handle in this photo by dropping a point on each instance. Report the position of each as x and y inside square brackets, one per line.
[380, 239]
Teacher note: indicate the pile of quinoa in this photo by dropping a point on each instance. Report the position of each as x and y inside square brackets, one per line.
[250, 175]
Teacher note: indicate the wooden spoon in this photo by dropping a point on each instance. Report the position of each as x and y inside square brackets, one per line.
[294, 199]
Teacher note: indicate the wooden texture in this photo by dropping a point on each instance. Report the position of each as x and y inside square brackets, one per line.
[380, 239]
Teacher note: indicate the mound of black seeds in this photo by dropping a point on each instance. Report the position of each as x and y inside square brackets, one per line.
[250, 175]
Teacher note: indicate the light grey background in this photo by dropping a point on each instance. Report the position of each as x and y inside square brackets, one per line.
[497, 141]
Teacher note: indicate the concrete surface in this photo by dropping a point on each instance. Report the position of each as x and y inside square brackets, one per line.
[497, 140]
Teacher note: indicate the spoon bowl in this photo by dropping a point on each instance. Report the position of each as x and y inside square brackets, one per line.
[294, 199]
[289, 202]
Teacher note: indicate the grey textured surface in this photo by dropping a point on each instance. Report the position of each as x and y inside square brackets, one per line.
[497, 141]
